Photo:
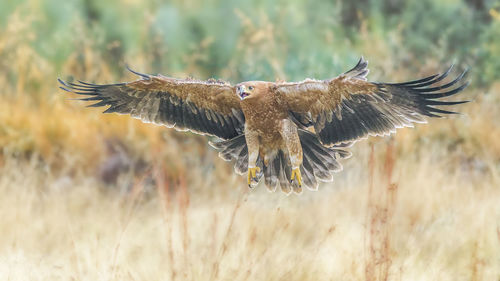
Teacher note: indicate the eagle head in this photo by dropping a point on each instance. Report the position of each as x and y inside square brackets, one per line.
[244, 91]
[251, 89]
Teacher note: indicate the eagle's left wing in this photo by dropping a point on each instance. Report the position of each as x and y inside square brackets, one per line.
[348, 108]
[205, 107]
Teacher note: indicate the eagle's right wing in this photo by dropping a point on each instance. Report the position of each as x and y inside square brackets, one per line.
[205, 107]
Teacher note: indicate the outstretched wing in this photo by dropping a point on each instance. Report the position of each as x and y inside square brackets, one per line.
[205, 107]
[348, 107]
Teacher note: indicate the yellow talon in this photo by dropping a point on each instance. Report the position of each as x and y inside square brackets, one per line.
[296, 175]
[252, 173]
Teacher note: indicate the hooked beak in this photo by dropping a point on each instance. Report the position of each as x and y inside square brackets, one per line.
[242, 92]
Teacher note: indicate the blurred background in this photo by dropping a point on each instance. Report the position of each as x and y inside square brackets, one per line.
[89, 196]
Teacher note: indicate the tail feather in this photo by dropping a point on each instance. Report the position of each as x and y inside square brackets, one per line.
[234, 149]
[270, 173]
[308, 175]
[274, 173]
[320, 168]
[283, 173]
[231, 149]
[342, 154]
[317, 159]
[241, 165]
[318, 162]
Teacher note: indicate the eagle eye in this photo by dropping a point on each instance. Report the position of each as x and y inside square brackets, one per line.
[250, 88]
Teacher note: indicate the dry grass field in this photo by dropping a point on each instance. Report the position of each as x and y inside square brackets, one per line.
[87, 196]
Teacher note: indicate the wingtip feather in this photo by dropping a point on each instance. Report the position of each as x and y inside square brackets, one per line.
[67, 90]
[144, 76]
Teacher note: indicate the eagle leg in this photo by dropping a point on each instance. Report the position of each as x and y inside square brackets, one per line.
[252, 176]
[253, 144]
[291, 137]
[296, 176]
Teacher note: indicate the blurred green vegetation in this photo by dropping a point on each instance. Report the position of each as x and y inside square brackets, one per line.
[92, 40]
[242, 40]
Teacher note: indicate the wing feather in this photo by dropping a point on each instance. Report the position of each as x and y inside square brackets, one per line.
[348, 108]
[205, 107]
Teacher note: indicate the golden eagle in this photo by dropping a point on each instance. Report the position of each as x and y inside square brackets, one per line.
[292, 134]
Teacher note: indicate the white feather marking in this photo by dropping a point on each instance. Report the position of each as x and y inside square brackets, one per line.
[304, 86]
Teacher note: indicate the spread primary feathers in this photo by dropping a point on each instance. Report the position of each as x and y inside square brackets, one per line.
[292, 134]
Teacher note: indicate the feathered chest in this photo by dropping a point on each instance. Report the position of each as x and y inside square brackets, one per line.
[264, 114]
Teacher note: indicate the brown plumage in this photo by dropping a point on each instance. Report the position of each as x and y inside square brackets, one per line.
[292, 134]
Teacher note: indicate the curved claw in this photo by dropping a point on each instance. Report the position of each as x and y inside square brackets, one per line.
[252, 174]
[297, 175]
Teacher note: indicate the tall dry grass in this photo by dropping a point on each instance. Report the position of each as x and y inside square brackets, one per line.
[385, 218]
